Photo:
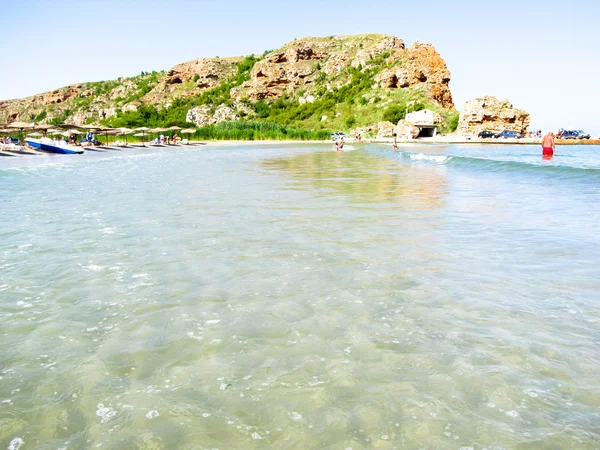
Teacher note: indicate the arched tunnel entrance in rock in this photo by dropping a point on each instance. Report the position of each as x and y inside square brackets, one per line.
[426, 131]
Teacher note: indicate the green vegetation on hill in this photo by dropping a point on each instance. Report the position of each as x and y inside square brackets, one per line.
[175, 114]
[324, 93]
[252, 130]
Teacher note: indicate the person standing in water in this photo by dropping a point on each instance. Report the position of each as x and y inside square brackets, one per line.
[548, 145]
[395, 146]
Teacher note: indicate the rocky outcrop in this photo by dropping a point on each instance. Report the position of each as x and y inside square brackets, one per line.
[191, 78]
[203, 116]
[385, 129]
[489, 113]
[407, 130]
[303, 70]
[420, 65]
[308, 62]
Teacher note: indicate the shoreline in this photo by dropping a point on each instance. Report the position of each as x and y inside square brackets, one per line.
[446, 140]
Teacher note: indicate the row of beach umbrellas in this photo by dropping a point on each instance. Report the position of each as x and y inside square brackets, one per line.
[67, 129]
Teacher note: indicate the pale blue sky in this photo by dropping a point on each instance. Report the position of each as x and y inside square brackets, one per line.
[542, 55]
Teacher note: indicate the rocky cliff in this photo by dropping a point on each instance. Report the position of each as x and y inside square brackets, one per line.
[302, 64]
[489, 113]
[335, 82]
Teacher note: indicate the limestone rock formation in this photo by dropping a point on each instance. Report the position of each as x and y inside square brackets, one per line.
[489, 113]
[204, 116]
[385, 129]
[406, 129]
[302, 64]
[202, 74]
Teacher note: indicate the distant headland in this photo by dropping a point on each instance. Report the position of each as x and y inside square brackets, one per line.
[362, 84]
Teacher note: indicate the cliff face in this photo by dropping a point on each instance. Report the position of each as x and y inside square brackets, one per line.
[302, 64]
[489, 113]
[305, 70]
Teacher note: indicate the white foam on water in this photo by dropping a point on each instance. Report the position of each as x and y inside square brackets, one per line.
[255, 435]
[105, 413]
[15, 444]
[441, 159]
[210, 322]
[152, 414]
[295, 416]
[94, 268]
[513, 414]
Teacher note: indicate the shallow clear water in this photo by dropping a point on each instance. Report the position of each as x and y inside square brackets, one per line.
[294, 297]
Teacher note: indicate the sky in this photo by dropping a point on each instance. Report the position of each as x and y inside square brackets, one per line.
[542, 55]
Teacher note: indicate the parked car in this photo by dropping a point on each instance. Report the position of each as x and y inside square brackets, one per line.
[583, 135]
[487, 134]
[569, 134]
[509, 134]
[337, 135]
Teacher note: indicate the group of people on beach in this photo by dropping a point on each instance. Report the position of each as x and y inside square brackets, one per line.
[166, 140]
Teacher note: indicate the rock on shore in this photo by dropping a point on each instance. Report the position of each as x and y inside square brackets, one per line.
[489, 113]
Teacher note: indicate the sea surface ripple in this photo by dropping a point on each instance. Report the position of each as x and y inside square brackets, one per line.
[289, 296]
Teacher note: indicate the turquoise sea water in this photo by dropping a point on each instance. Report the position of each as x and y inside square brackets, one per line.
[288, 296]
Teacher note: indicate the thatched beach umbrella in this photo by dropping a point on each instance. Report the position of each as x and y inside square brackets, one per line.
[43, 127]
[124, 132]
[188, 131]
[143, 130]
[107, 131]
[174, 128]
[20, 126]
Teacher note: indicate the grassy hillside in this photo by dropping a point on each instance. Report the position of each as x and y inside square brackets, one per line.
[338, 89]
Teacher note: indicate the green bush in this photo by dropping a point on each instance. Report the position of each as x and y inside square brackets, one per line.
[350, 121]
[453, 121]
[394, 113]
[196, 77]
[41, 116]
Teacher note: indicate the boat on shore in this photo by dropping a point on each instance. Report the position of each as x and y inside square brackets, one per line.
[48, 145]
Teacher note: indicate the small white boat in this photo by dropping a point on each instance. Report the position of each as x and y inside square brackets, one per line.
[48, 145]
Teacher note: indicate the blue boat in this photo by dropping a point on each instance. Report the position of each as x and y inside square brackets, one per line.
[48, 145]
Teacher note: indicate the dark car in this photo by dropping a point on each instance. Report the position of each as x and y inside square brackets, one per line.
[506, 134]
[487, 134]
[569, 134]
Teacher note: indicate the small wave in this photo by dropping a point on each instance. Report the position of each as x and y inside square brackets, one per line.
[440, 159]
[498, 165]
